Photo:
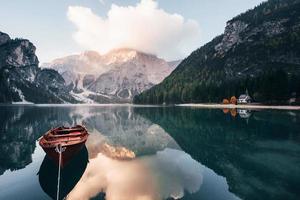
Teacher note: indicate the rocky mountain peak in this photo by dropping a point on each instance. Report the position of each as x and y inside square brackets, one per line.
[4, 38]
[126, 55]
[113, 77]
[17, 52]
[120, 55]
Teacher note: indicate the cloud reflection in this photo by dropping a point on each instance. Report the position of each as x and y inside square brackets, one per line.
[167, 173]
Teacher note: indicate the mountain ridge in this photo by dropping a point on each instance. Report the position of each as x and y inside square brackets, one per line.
[115, 77]
[258, 51]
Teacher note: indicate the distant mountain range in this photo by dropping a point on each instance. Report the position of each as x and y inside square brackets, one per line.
[259, 52]
[86, 78]
[115, 77]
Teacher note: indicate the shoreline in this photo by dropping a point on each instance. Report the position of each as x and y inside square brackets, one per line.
[194, 105]
[78, 105]
[232, 106]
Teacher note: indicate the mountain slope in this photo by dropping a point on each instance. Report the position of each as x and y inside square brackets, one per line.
[259, 52]
[21, 80]
[114, 77]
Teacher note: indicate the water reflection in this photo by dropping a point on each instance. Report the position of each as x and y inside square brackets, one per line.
[157, 153]
[120, 127]
[70, 174]
[20, 127]
[259, 157]
[243, 113]
[168, 173]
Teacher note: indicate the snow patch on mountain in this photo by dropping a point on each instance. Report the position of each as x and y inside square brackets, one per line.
[21, 95]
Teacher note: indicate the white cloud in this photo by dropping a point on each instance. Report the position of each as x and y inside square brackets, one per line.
[102, 2]
[144, 27]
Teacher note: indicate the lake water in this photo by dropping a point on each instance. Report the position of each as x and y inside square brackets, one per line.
[145, 153]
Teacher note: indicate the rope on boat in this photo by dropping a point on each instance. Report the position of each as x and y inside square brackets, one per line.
[59, 149]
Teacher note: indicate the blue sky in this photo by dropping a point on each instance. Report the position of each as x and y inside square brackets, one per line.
[57, 31]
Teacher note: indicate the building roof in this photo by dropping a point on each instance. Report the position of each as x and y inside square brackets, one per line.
[244, 96]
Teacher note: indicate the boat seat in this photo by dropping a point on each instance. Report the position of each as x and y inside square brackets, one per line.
[66, 134]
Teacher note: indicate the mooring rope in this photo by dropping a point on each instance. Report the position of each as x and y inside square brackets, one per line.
[59, 149]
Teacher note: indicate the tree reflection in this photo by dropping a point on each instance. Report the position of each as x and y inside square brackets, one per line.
[259, 157]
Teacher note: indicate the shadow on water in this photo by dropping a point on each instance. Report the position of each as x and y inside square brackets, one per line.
[70, 174]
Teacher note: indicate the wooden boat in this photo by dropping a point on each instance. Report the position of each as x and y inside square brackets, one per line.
[64, 142]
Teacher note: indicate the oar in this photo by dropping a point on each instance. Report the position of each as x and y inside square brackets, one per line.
[59, 149]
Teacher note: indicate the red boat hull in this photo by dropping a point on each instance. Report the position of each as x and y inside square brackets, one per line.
[69, 140]
[66, 155]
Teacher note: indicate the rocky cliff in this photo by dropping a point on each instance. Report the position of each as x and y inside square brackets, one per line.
[21, 79]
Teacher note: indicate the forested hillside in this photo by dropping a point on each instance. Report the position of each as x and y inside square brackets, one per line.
[259, 52]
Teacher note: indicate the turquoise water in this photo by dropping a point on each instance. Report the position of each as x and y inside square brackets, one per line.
[153, 153]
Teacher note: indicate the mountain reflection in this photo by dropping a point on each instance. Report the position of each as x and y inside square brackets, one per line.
[121, 127]
[21, 126]
[163, 152]
[259, 156]
[129, 156]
